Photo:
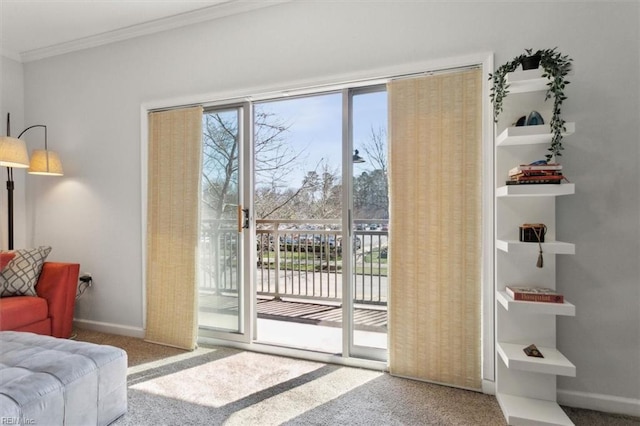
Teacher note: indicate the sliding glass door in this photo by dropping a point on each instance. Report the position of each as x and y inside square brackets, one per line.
[299, 210]
[224, 223]
[368, 222]
[294, 217]
[322, 247]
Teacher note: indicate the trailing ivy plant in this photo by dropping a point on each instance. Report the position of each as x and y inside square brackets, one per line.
[555, 68]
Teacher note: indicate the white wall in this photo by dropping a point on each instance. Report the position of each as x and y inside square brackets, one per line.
[91, 101]
[12, 101]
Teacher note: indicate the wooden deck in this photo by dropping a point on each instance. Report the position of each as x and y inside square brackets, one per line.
[318, 314]
[311, 312]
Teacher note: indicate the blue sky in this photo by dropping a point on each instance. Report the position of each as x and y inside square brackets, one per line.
[316, 127]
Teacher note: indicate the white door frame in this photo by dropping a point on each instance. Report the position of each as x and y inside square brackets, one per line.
[338, 82]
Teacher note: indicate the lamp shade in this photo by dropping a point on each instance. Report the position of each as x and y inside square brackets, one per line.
[13, 152]
[44, 162]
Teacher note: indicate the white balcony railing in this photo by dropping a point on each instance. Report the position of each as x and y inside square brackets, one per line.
[299, 259]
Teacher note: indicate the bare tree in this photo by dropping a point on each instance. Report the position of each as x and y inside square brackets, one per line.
[376, 149]
[322, 193]
[274, 159]
[371, 188]
[287, 201]
[220, 162]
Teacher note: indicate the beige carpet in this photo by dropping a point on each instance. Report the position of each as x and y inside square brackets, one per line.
[218, 385]
[138, 351]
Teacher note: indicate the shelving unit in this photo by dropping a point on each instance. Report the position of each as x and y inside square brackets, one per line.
[518, 410]
[523, 307]
[529, 135]
[526, 386]
[551, 247]
[535, 190]
[526, 81]
[552, 363]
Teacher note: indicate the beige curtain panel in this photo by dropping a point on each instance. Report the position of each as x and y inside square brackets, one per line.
[435, 129]
[175, 146]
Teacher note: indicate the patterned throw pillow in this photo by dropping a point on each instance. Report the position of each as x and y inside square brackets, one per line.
[21, 274]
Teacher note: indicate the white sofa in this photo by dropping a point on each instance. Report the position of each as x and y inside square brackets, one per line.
[49, 381]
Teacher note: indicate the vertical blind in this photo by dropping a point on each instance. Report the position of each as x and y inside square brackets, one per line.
[175, 145]
[435, 128]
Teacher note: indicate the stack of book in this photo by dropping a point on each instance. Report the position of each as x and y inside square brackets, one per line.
[535, 174]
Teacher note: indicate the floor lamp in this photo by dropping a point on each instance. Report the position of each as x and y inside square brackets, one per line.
[13, 154]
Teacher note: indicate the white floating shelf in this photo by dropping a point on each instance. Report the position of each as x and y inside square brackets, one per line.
[550, 247]
[519, 410]
[554, 362]
[544, 190]
[528, 135]
[523, 307]
[526, 81]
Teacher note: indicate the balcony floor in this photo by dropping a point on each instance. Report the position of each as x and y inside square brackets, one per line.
[320, 314]
[311, 325]
[306, 312]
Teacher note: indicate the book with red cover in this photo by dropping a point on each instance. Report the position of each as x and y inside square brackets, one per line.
[535, 167]
[534, 294]
[526, 180]
[537, 173]
[537, 177]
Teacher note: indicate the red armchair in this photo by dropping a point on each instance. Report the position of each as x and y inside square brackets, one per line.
[51, 311]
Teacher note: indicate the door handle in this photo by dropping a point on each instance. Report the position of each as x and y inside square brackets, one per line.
[245, 222]
[243, 218]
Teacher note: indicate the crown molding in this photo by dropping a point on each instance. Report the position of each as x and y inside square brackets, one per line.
[210, 13]
[9, 54]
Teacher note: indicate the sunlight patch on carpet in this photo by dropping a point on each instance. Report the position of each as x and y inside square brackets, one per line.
[169, 360]
[295, 402]
[229, 379]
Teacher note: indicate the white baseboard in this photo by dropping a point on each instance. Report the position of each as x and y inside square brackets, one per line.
[599, 402]
[105, 327]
